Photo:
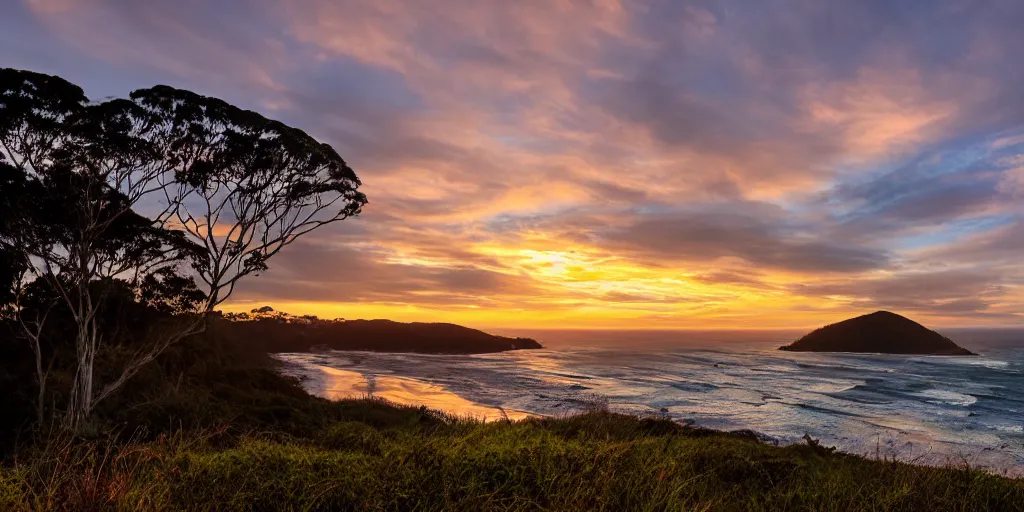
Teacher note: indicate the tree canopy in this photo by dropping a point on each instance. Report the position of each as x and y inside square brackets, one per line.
[164, 199]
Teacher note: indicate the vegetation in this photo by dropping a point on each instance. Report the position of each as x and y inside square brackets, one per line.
[878, 332]
[224, 190]
[275, 331]
[380, 457]
[124, 391]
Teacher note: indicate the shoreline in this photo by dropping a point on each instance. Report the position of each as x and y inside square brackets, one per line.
[910, 448]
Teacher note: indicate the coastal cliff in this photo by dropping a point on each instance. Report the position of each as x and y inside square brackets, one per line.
[277, 332]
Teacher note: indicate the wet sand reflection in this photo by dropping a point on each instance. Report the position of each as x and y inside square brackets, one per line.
[336, 384]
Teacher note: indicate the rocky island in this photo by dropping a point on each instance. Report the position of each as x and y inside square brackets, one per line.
[878, 332]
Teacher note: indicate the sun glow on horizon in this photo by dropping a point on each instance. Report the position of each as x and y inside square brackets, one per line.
[612, 164]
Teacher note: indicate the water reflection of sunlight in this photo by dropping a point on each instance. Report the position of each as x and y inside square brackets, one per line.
[544, 365]
[336, 384]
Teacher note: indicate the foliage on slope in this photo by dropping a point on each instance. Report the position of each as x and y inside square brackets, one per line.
[382, 457]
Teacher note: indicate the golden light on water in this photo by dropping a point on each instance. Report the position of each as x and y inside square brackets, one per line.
[336, 384]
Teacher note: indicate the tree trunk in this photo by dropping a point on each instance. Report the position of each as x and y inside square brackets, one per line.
[41, 381]
[81, 403]
[85, 343]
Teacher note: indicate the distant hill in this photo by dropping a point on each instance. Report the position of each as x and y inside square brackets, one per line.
[878, 332]
[276, 332]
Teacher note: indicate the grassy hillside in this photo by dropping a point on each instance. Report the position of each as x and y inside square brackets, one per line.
[376, 456]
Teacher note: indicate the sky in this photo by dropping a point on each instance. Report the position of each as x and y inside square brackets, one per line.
[611, 163]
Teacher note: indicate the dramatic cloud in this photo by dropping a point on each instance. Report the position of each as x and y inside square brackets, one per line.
[956, 292]
[345, 274]
[758, 234]
[606, 162]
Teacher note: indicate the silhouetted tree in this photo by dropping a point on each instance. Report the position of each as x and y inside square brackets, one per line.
[83, 167]
[226, 190]
[12, 269]
[244, 186]
[35, 112]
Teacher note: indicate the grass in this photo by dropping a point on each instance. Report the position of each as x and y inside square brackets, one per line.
[378, 456]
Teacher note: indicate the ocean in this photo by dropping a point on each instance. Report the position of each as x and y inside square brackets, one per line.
[922, 409]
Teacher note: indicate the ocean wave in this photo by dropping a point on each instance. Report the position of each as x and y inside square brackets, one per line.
[945, 396]
[846, 400]
[693, 386]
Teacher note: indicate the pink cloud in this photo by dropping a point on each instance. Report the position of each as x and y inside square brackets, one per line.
[695, 158]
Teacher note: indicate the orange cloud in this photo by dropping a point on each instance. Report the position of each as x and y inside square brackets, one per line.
[880, 114]
[606, 164]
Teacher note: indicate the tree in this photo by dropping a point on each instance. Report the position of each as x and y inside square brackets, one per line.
[244, 186]
[84, 167]
[15, 192]
[227, 190]
[35, 111]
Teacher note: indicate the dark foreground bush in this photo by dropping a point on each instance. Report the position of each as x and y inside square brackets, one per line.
[384, 457]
